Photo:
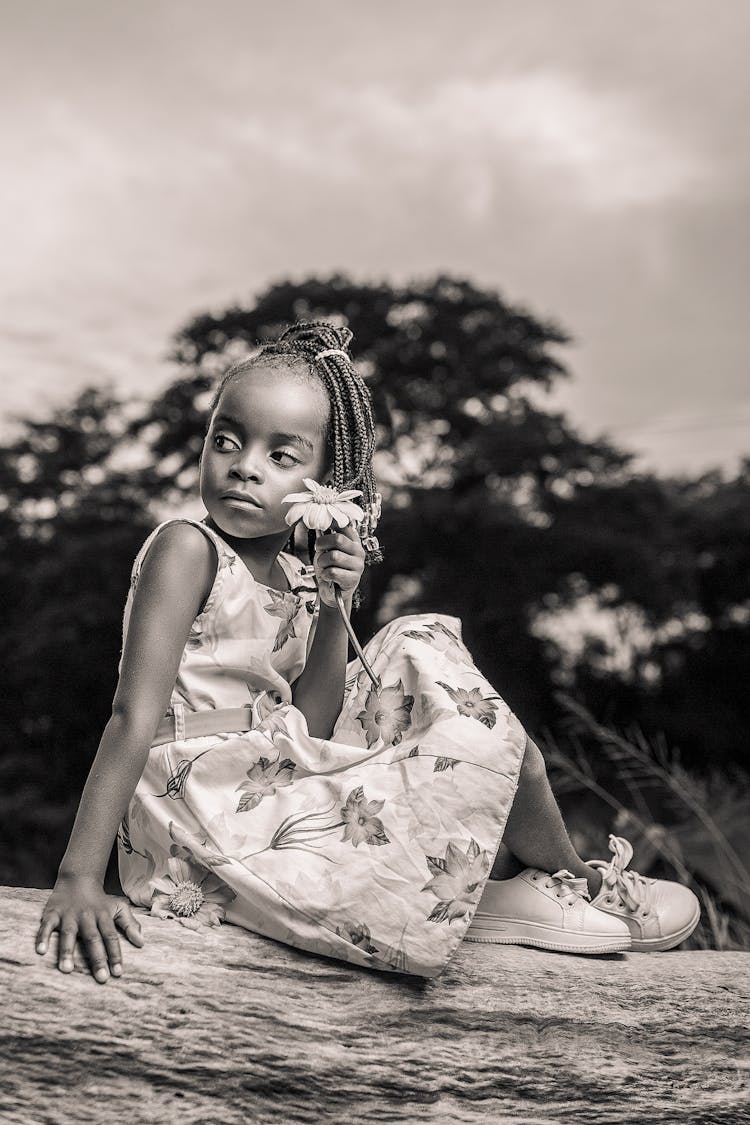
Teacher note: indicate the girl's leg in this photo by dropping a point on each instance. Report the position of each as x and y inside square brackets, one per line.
[506, 865]
[535, 833]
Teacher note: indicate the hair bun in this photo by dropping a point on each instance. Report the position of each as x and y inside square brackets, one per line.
[312, 336]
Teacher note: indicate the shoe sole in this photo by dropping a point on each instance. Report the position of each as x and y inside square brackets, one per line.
[659, 945]
[484, 928]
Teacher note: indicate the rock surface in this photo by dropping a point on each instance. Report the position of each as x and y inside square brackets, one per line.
[226, 1026]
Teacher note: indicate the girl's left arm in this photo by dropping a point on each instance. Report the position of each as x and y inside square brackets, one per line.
[319, 691]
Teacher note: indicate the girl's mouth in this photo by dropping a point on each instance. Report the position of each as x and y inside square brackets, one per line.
[241, 498]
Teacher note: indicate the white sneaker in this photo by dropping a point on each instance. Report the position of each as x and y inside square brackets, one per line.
[658, 912]
[547, 911]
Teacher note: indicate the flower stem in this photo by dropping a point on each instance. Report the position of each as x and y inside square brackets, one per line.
[352, 635]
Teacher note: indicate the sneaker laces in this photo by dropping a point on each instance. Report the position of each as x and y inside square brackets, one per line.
[631, 887]
[569, 886]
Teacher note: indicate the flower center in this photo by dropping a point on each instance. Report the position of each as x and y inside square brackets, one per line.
[186, 900]
[326, 494]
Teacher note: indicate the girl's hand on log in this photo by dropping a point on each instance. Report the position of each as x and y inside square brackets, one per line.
[339, 557]
[79, 909]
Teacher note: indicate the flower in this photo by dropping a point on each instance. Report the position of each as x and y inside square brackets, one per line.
[192, 848]
[177, 780]
[456, 877]
[322, 506]
[472, 704]
[361, 823]
[192, 895]
[387, 714]
[282, 607]
[319, 509]
[358, 933]
[440, 639]
[264, 779]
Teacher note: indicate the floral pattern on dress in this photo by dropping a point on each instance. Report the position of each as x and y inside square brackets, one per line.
[287, 608]
[361, 825]
[456, 877]
[472, 703]
[440, 639]
[189, 846]
[263, 779]
[386, 714]
[357, 933]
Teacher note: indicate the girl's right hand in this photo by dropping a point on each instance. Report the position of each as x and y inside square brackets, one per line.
[79, 908]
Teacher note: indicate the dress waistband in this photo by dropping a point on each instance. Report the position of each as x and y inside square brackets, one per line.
[180, 724]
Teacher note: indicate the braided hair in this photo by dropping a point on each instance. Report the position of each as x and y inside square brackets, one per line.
[350, 434]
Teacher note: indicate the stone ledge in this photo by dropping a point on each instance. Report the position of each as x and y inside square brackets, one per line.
[225, 1026]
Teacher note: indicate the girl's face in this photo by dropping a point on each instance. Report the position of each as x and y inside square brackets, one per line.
[266, 433]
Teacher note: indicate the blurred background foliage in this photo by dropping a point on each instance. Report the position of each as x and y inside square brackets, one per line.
[585, 587]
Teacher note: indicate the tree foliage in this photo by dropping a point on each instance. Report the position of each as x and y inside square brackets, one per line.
[495, 510]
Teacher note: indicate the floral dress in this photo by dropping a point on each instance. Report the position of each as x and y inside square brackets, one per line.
[372, 846]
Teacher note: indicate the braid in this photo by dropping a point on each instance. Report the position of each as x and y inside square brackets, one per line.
[351, 436]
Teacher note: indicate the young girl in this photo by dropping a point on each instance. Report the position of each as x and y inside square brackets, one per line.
[258, 778]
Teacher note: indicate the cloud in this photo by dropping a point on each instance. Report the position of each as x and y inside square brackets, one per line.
[600, 146]
[161, 162]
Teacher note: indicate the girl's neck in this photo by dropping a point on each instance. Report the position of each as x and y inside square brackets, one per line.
[259, 555]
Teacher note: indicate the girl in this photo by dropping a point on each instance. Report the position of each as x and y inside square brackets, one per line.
[256, 777]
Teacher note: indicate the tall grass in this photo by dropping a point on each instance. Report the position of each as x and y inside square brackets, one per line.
[678, 823]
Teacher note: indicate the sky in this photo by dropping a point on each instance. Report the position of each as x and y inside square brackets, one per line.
[588, 160]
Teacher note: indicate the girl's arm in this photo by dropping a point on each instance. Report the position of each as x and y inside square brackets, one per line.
[176, 577]
[319, 691]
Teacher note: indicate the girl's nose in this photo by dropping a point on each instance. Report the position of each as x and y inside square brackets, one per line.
[246, 468]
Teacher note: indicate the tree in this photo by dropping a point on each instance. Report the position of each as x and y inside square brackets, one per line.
[494, 510]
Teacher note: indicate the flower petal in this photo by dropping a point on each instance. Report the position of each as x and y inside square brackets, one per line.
[179, 870]
[353, 511]
[156, 912]
[317, 517]
[338, 515]
[296, 512]
[189, 923]
[214, 915]
[298, 497]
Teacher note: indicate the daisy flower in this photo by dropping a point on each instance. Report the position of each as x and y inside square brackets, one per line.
[320, 508]
[191, 894]
[323, 505]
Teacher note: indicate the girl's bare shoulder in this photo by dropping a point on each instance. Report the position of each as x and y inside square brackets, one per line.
[181, 553]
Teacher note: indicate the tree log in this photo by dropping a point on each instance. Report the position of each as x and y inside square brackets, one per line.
[226, 1026]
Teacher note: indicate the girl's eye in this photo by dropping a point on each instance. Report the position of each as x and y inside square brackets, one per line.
[223, 441]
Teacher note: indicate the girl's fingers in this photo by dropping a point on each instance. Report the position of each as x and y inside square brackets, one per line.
[49, 924]
[68, 935]
[111, 942]
[347, 540]
[123, 916]
[336, 574]
[333, 558]
[94, 948]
